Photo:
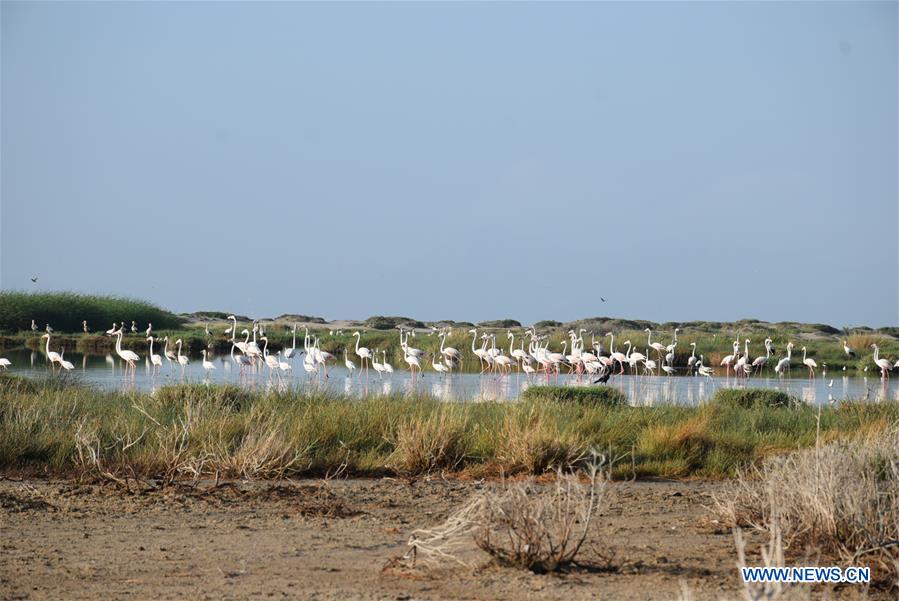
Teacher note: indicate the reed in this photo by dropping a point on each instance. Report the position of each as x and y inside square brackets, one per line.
[64, 311]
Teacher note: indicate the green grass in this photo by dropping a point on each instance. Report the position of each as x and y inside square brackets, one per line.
[601, 395]
[49, 427]
[64, 311]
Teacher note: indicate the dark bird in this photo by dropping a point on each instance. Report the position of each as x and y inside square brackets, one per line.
[34, 280]
[602, 299]
[603, 378]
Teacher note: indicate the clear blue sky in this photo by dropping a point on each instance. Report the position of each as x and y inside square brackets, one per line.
[466, 161]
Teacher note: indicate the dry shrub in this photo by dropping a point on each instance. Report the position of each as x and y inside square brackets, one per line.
[527, 525]
[425, 444]
[840, 498]
[533, 445]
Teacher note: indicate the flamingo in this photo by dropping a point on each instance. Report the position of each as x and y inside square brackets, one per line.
[759, 363]
[155, 360]
[284, 366]
[702, 370]
[240, 360]
[270, 360]
[409, 350]
[33, 326]
[730, 359]
[182, 359]
[784, 363]
[658, 346]
[670, 348]
[378, 367]
[130, 357]
[288, 354]
[169, 355]
[362, 352]
[84, 326]
[387, 367]
[350, 366]
[741, 367]
[133, 327]
[616, 356]
[438, 367]
[149, 329]
[691, 360]
[884, 364]
[480, 353]
[67, 365]
[809, 363]
[413, 362]
[449, 352]
[51, 355]
[207, 364]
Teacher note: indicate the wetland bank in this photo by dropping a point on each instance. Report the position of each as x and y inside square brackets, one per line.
[197, 491]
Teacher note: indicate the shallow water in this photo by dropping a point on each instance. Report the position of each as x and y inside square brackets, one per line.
[107, 372]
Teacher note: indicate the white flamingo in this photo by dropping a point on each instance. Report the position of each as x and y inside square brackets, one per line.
[809, 363]
[155, 360]
[207, 364]
[182, 359]
[414, 364]
[350, 366]
[66, 365]
[363, 352]
[288, 353]
[377, 366]
[730, 359]
[169, 355]
[691, 360]
[53, 356]
[761, 361]
[884, 364]
[387, 367]
[784, 364]
[438, 367]
[130, 357]
[658, 346]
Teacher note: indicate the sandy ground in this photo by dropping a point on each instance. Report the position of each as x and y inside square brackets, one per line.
[309, 540]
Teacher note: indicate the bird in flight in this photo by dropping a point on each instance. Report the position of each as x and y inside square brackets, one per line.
[602, 299]
[34, 280]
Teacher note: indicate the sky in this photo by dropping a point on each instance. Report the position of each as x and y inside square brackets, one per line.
[467, 161]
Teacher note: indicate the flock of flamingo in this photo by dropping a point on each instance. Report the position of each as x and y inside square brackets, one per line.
[594, 363]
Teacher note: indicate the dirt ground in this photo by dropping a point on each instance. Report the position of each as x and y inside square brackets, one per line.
[336, 540]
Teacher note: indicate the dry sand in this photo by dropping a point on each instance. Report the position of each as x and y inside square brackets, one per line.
[309, 540]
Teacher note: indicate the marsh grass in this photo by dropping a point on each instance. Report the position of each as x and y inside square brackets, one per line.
[196, 430]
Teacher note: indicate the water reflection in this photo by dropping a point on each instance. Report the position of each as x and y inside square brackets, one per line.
[107, 371]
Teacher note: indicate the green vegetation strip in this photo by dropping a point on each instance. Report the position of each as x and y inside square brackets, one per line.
[65, 311]
[56, 428]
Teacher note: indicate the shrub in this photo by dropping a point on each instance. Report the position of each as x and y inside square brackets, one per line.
[754, 397]
[381, 322]
[500, 323]
[547, 323]
[527, 525]
[840, 498]
[590, 395]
